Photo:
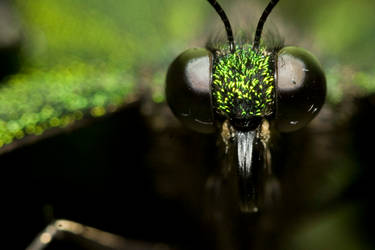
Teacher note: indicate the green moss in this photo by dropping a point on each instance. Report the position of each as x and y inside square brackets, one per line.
[38, 100]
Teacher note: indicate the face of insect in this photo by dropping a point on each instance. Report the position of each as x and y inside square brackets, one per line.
[288, 88]
[240, 88]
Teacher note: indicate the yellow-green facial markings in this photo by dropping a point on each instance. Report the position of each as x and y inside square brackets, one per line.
[243, 83]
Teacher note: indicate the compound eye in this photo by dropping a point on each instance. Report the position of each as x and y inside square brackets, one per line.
[300, 88]
[188, 89]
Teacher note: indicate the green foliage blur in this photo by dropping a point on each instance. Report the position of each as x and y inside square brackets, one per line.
[86, 58]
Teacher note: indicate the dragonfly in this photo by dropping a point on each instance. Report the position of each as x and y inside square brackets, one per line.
[49, 62]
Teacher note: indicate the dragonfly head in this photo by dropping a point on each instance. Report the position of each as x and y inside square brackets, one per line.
[242, 86]
[205, 88]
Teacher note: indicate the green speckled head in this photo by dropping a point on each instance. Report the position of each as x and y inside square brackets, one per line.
[243, 83]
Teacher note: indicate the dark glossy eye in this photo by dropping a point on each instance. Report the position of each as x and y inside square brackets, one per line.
[300, 88]
[188, 89]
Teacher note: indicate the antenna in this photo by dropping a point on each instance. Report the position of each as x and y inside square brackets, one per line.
[261, 22]
[225, 20]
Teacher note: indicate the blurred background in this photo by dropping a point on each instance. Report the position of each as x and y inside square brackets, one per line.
[85, 133]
